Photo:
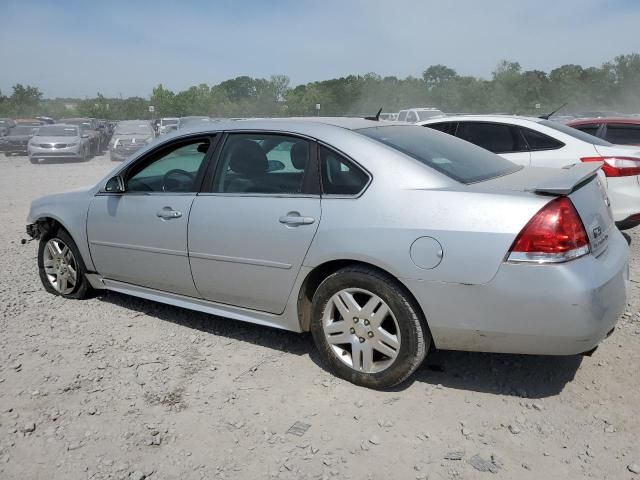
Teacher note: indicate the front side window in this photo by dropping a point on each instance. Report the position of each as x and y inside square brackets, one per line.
[262, 163]
[623, 134]
[539, 141]
[172, 170]
[495, 137]
[339, 176]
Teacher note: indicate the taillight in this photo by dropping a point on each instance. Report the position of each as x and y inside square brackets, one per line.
[555, 234]
[617, 166]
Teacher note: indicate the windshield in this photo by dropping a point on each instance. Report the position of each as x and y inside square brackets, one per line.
[134, 129]
[85, 124]
[575, 133]
[426, 114]
[455, 158]
[22, 130]
[57, 131]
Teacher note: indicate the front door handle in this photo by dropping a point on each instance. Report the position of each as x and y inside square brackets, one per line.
[294, 219]
[168, 213]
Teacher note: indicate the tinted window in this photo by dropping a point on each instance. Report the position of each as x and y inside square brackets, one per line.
[173, 170]
[540, 141]
[623, 134]
[495, 137]
[446, 127]
[572, 132]
[591, 128]
[461, 161]
[340, 176]
[262, 163]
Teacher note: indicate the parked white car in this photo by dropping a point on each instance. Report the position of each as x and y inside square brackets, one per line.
[414, 115]
[546, 143]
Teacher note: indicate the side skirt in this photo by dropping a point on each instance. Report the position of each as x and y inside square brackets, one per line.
[200, 305]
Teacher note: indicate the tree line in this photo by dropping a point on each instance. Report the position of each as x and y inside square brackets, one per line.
[615, 85]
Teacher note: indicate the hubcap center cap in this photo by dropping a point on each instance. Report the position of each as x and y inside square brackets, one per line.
[361, 330]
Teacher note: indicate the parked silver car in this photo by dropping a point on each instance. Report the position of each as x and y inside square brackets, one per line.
[59, 141]
[383, 239]
[130, 136]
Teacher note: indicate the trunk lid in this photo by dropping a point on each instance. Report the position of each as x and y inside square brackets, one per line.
[580, 182]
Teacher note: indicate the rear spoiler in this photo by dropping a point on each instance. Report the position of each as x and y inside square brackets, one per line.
[572, 177]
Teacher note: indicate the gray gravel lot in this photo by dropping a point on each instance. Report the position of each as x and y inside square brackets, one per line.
[119, 387]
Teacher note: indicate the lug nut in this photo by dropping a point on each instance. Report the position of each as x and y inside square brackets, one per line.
[361, 339]
[366, 322]
[370, 334]
[355, 319]
[353, 330]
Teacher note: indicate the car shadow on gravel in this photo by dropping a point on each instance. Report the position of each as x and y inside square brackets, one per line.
[529, 376]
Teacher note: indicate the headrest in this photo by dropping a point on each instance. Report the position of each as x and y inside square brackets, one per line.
[300, 155]
[248, 158]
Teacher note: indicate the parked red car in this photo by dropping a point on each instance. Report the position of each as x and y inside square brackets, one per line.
[621, 131]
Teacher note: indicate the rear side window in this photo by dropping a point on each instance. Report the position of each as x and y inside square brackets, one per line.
[461, 161]
[572, 132]
[539, 141]
[623, 134]
[445, 127]
[591, 128]
[340, 176]
[495, 137]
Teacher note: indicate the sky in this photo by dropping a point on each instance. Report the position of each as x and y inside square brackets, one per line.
[76, 48]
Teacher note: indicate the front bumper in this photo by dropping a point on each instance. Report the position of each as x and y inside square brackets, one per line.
[13, 148]
[121, 154]
[561, 309]
[68, 152]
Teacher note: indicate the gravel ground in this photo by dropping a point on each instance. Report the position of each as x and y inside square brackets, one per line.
[119, 387]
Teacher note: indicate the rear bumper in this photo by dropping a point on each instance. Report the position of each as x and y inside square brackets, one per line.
[561, 309]
[624, 193]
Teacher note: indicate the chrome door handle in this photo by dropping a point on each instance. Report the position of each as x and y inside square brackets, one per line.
[294, 219]
[168, 213]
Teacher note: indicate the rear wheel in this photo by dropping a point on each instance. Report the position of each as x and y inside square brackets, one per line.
[60, 265]
[368, 328]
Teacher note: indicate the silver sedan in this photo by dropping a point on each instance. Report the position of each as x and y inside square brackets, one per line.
[384, 240]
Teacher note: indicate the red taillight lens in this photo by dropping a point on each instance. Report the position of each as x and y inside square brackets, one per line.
[617, 166]
[554, 234]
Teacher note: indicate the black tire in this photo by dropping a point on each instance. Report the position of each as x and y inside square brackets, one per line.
[34, 161]
[414, 333]
[82, 288]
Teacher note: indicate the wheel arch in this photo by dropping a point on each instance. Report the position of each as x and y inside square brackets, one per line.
[315, 277]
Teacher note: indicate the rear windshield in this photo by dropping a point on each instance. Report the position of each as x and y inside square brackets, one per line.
[575, 133]
[453, 157]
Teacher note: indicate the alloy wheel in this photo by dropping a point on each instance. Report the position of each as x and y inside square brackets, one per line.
[60, 266]
[361, 330]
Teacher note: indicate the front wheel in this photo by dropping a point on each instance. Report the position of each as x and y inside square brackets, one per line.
[368, 328]
[60, 265]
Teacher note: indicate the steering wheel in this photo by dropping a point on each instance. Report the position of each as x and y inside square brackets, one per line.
[167, 181]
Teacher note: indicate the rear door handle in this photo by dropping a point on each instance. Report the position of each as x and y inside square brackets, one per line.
[294, 219]
[168, 213]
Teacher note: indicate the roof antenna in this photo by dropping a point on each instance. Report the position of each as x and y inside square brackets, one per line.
[376, 118]
[549, 115]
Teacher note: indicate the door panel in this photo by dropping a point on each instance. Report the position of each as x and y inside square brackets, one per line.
[142, 239]
[247, 250]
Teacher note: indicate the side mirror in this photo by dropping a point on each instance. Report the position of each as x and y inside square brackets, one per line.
[115, 185]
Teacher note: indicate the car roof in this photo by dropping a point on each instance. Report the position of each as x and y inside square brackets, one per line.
[584, 121]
